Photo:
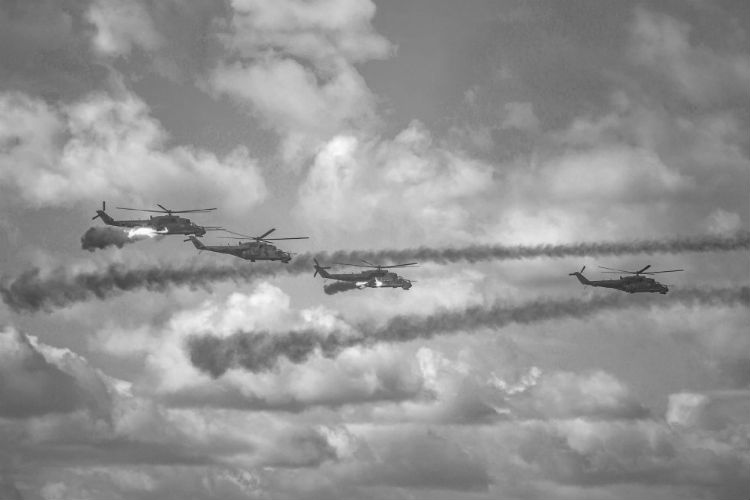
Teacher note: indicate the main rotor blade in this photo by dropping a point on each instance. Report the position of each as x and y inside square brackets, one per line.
[141, 210]
[641, 271]
[353, 265]
[266, 233]
[368, 263]
[291, 238]
[399, 265]
[239, 234]
[194, 210]
[618, 270]
[670, 271]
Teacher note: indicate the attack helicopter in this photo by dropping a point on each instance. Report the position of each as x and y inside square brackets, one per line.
[635, 283]
[259, 249]
[375, 277]
[162, 224]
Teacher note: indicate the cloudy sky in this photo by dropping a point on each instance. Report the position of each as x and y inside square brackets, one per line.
[151, 371]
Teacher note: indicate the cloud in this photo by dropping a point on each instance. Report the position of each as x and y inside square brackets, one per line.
[420, 459]
[595, 395]
[121, 26]
[394, 191]
[296, 67]
[701, 74]
[104, 147]
[302, 107]
[44, 46]
[32, 385]
[357, 376]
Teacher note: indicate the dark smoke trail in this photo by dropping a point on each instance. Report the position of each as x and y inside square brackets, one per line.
[338, 287]
[260, 351]
[97, 238]
[476, 253]
[31, 291]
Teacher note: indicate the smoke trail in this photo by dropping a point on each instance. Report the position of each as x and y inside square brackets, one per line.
[338, 287]
[476, 253]
[261, 351]
[31, 291]
[97, 238]
[103, 237]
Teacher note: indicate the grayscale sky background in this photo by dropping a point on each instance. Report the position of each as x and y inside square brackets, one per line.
[377, 125]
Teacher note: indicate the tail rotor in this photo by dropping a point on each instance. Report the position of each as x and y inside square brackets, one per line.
[579, 272]
[98, 212]
[318, 267]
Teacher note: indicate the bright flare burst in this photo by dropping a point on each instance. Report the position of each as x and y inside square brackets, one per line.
[140, 233]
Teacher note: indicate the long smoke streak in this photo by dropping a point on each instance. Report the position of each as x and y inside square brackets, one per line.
[261, 351]
[477, 253]
[33, 291]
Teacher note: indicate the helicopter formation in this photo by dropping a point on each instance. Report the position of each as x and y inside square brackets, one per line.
[255, 248]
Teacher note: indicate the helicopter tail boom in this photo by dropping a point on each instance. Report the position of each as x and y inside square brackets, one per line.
[103, 215]
[196, 242]
[579, 274]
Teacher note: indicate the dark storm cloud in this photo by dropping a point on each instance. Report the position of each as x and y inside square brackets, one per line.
[260, 351]
[32, 291]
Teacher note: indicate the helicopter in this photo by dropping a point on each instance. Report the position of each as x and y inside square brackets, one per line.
[635, 283]
[376, 277]
[163, 224]
[260, 249]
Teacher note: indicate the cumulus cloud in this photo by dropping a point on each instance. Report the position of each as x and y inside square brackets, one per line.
[121, 26]
[295, 67]
[110, 147]
[44, 46]
[701, 74]
[86, 424]
[595, 395]
[359, 375]
[400, 190]
[31, 384]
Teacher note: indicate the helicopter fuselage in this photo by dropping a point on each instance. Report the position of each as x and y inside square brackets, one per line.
[376, 278]
[629, 284]
[165, 224]
[249, 250]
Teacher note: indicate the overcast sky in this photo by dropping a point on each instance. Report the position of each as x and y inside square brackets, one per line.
[384, 125]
